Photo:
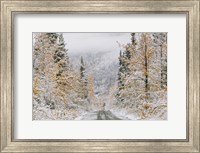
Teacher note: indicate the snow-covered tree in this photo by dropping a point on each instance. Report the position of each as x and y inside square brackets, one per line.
[91, 86]
[83, 80]
[121, 76]
[44, 68]
[56, 85]
[160, 44]
[52, 75]
[143, 76]
[134, 84]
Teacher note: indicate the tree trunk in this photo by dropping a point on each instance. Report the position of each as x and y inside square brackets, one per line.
[163, 69]
[146, 71]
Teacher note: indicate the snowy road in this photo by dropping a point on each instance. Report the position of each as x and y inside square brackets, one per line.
[100, 115]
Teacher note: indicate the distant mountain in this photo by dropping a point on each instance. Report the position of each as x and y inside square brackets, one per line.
[102, 65]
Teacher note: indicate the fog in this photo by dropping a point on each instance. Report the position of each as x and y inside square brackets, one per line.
[79, 43]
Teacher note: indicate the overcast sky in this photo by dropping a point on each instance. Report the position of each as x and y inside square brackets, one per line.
[78, 43]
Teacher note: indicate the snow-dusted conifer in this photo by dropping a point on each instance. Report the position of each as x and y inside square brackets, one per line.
[83, 80]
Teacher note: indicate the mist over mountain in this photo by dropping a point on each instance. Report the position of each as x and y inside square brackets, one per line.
[102, 65]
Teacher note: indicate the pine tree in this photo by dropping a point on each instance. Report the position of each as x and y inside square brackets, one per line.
[120, 72]
[55, 84]
[125, 67]
[52, 69]
[62, 53]
[143, 63]
[61, 59]
[144, 74]
[82, 68]
[83, 80]
[121, 76]
[44, 67]
[160, 43]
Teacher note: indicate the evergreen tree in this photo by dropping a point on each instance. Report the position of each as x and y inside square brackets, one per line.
[44, 68]
[83, 80]
[121, 75]
[133, 39]
[125, 67]
[62, 53]
[160, 43]
[56, 86]
[145, 64]
[82, 68]
[120, 72]
[52, 73]
[61, 59]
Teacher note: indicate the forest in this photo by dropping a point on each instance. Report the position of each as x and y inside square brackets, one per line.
[94, 85]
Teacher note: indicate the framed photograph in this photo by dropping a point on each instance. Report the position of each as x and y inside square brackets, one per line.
[99, 76]
[98, 80]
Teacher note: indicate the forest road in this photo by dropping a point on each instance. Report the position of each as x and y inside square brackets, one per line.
[106, 115]
[100, 115]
